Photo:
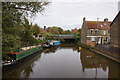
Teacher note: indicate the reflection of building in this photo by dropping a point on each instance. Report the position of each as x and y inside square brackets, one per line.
[93, 32]
[114, 71]
[91, 60]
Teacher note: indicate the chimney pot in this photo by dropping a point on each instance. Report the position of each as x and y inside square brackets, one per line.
[106, 20]
[84, 19]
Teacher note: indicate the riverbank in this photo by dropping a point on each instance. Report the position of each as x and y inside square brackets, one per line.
[106, 51]
[102, 51]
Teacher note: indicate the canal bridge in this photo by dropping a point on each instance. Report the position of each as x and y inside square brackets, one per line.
[64, 37]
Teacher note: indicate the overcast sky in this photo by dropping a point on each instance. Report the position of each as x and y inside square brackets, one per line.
[68, 14]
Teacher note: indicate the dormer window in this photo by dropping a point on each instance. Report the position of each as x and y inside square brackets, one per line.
[101, 25]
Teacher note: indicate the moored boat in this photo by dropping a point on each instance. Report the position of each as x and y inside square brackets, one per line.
[21, 53]
[46, 44]
[54, 43]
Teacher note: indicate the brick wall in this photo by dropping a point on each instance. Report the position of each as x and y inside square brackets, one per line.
[83, 34]
[114, 32]
[92, 44]
[119, 29]
[100, 32]
[109, 52]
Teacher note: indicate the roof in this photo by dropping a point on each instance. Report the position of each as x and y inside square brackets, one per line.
[75, 30]
[97, 25]
[115, 18]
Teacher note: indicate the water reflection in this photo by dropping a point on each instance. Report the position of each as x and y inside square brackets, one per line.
[51, 50]
[64, 61]
[90, 60]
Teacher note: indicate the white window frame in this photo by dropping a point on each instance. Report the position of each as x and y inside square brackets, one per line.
[95, 31]
[91, 32]
[104, 32]
[92, 38]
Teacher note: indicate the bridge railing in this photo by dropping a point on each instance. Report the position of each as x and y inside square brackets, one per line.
[65, 36]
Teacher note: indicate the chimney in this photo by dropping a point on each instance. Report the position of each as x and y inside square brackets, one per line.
[45, 28]
[106, 20]
[84, 19]
[118, 6]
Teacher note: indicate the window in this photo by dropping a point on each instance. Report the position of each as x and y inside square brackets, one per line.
[91, 32]
[92, 39]
[96, 32]
[104, 32]
[108, 32]
[106, 38]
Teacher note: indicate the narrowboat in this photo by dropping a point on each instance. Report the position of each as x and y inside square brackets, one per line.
[54, 43]
[20, 54]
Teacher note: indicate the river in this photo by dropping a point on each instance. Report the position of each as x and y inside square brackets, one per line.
[65, 61]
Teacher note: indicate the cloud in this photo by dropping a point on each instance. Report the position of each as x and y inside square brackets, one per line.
[84, 0]
[70, 15]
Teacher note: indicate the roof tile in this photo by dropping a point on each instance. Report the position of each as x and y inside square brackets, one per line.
[100, 24]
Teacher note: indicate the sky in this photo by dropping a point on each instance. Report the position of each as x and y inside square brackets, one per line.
[69, 14]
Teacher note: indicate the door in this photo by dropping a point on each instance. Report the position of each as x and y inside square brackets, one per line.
[101, 40]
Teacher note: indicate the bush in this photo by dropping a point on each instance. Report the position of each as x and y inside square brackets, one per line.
[84, 45]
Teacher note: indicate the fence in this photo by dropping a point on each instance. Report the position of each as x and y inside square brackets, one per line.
[109, 51]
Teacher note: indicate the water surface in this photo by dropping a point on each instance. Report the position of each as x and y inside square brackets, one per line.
[64, 61]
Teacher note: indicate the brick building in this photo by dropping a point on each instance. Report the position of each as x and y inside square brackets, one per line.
[41, 30]
[48, 30]
[75, 30]
[93, 32]
[115, 33]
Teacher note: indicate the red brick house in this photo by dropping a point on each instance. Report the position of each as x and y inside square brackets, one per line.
[93, 32]
[41, 30]
[48, 30]
[75, 30]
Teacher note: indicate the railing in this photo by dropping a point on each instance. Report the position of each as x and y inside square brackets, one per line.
[65, 36]
[106, 49]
